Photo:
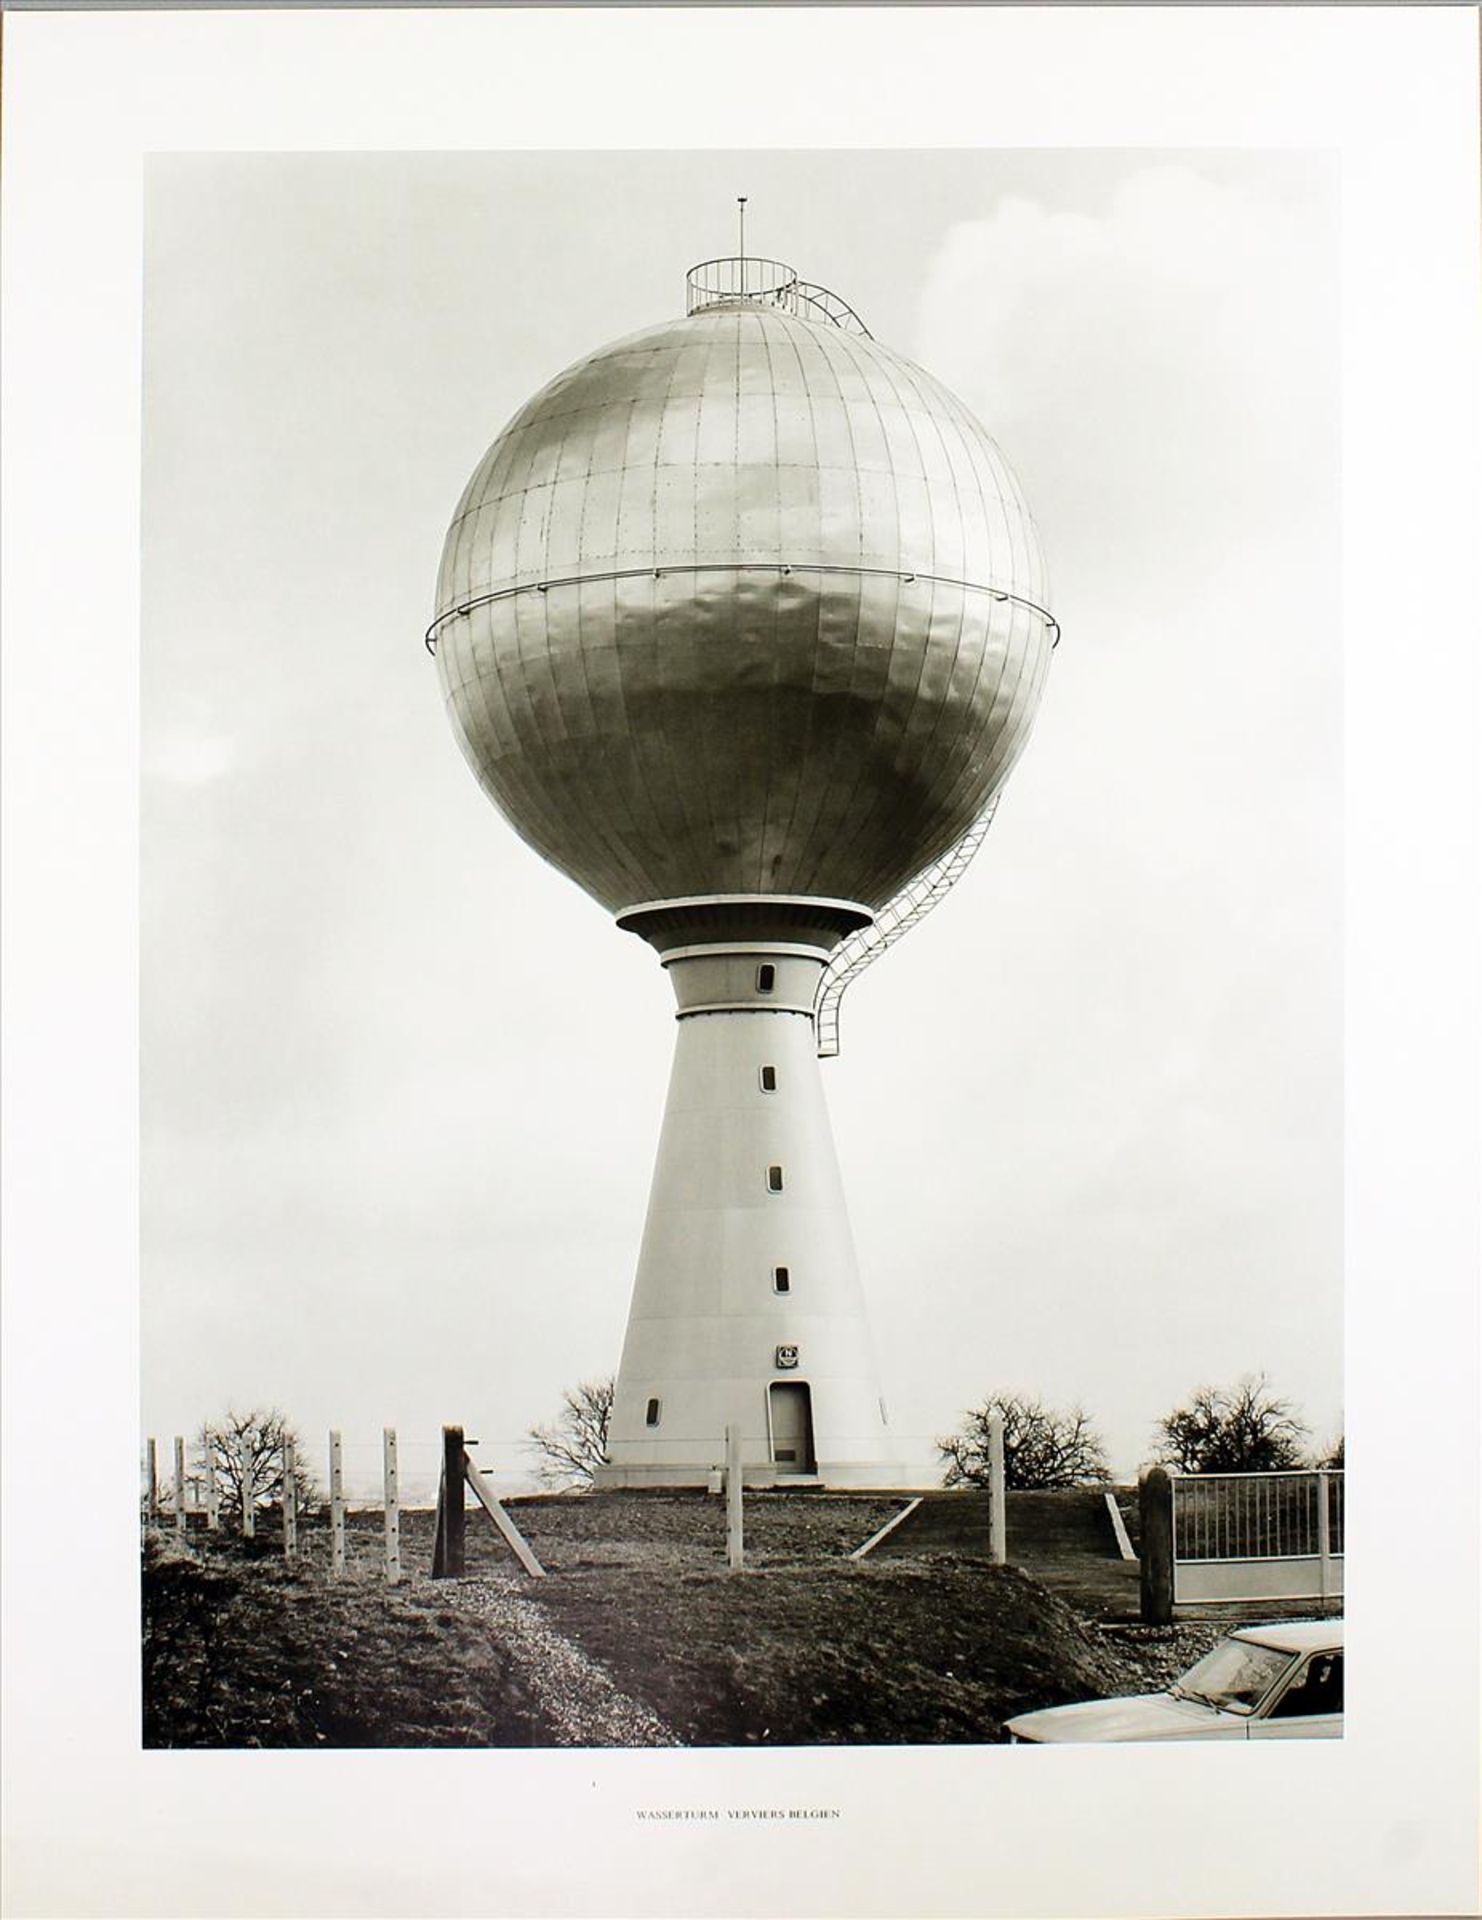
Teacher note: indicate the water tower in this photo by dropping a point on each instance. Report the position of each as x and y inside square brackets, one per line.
[741, 624]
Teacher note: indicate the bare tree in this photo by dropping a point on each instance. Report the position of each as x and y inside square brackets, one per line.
[571, 1448]
[1241, 1429]
[1332, 1454]
[244, 1452]
[1042, 1447]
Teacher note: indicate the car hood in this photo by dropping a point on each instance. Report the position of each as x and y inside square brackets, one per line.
[1144, 1716]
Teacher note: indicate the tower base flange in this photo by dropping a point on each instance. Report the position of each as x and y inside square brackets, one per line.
[862, 1476]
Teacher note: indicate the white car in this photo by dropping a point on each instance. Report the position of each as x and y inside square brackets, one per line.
[1279, 1682]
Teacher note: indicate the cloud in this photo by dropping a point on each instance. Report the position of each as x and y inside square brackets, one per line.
[1161, 894]
[1161, 365]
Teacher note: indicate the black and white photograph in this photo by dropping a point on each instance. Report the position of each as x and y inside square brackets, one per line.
[742, 623]
[751, 813]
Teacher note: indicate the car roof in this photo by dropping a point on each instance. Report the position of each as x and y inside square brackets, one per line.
[1295, 1636]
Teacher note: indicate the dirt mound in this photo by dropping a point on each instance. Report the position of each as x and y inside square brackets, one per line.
[237, 1653]
[897, 1653]
[805, 1647]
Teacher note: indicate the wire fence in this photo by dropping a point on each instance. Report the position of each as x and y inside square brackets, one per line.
[260, 1482]
[511, 1466]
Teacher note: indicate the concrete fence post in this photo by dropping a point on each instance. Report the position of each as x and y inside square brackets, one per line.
[179, 1484]
[213, 1492]
[336, 1506]
[998, 1517]
[735, 1531]
[151, 1481]
[1155, 1505]
[249, 1492]
[1324, 1538]
[393, 1504]
[290, 1503]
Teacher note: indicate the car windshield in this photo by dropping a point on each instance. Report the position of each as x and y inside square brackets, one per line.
[1234, 1676]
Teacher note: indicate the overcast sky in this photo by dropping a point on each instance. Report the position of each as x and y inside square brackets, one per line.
[402, 1082]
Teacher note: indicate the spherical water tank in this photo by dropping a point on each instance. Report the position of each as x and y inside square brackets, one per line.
[742, 604]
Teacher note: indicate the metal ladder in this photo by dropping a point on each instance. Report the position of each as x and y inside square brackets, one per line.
[896, 918]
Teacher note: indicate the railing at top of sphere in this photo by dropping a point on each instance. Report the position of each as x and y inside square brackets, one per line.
[770, 283]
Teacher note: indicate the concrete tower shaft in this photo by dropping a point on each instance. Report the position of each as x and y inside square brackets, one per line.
[747, 1305]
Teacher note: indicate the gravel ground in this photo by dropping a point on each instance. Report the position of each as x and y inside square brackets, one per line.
[1154, 1657]
[579, 1697]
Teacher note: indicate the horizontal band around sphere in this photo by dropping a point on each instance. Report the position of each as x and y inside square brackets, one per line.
[819, 734]
[778, 568]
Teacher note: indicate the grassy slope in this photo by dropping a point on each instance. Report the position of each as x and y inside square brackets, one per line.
[903, 1652]
[238, 1654]
[804, 1647]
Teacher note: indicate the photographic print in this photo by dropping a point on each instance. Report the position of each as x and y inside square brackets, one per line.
[742, 621]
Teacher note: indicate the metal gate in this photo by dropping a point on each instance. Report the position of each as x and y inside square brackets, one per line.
[1257, 1536]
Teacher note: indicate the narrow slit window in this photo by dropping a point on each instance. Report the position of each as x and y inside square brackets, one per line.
[774, 1179]
[766, 977]
[781, 1280]
[651, 1418]
[769, 1079]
